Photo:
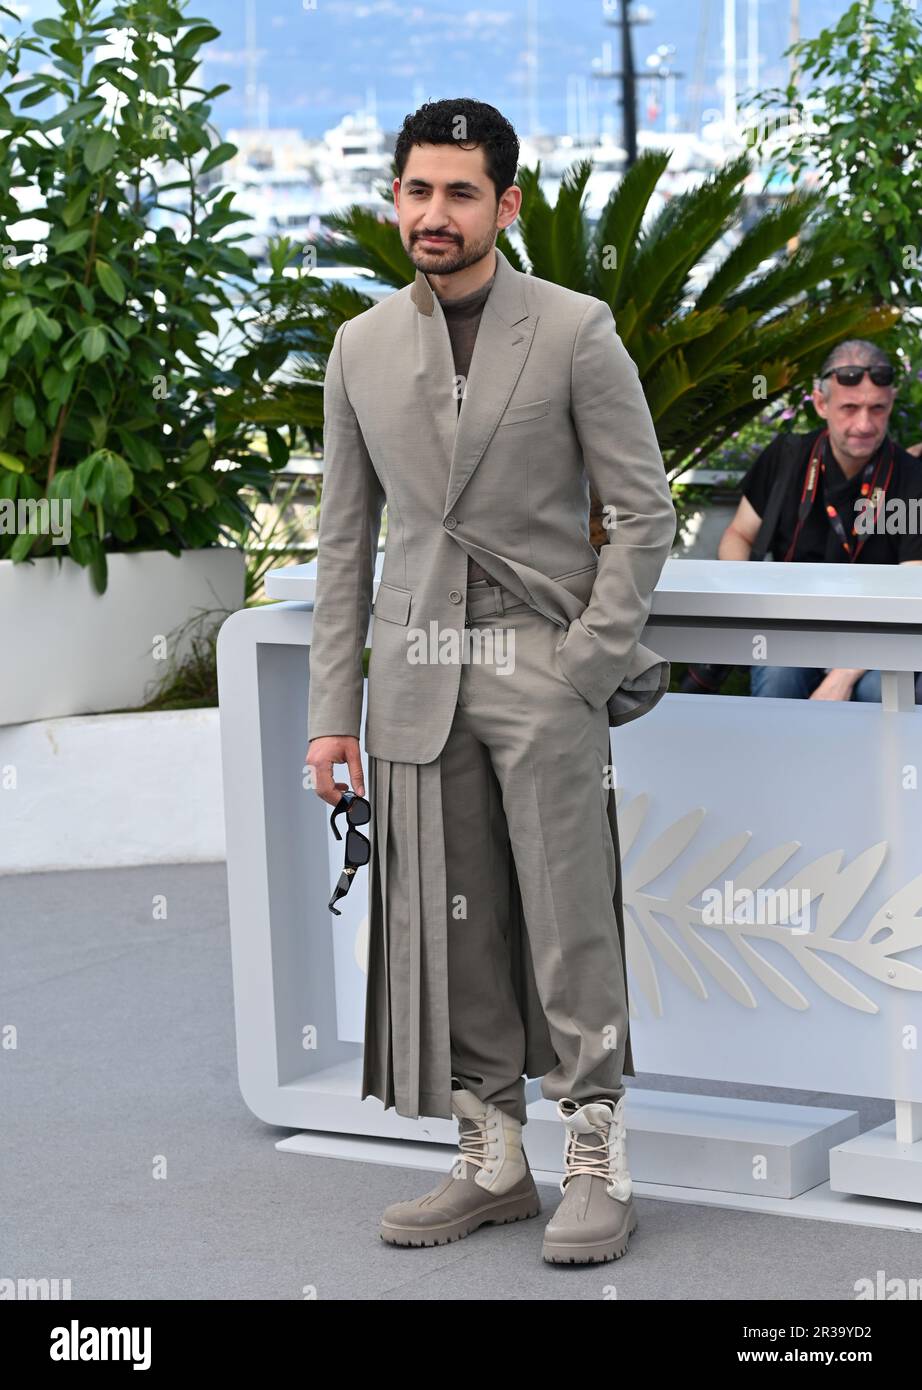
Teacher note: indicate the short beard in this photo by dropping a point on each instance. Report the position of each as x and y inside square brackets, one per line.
[448, 262]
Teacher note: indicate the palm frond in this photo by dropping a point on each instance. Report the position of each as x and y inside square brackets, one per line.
[568, 239]
[661, 338]
[536, 223]
[769, 235]
[808, 333]
[672, 380]
[810, 265]
[555, 238]
[685, 229]
[616, 231]
[360, 239]
[703, 353]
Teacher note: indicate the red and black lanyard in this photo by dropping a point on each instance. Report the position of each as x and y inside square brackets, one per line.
[816, 464]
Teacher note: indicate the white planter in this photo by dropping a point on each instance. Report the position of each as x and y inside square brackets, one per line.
[69, 650]
[111, 790]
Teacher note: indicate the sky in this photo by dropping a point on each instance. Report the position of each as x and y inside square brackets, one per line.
[316, 60]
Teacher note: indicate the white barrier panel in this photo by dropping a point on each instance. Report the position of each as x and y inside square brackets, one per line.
[770, 850]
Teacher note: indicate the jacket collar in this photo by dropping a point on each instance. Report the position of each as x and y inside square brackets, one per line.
[506, 297]
[504, 337]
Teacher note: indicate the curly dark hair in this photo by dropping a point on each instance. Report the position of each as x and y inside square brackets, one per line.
[436, 123]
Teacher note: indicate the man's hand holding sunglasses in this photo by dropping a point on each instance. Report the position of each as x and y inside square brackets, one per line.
[327, 751]
[323, 754]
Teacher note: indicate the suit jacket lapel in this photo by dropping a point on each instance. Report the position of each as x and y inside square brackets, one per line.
[503, 341]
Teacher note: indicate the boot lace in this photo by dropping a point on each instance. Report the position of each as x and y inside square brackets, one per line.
[593, 1155]
[468, 1142]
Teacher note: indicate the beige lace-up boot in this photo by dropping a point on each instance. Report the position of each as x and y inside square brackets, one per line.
[596, 1217]
[490, 1181]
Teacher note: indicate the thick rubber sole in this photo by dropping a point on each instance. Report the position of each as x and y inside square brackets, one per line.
[496, 1214]
[598, 1252]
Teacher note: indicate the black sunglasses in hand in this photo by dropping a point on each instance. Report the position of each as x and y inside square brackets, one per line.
[358, 848]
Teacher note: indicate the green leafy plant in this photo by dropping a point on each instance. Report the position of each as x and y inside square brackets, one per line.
[856, 103]
[119, 390]
[906, 420]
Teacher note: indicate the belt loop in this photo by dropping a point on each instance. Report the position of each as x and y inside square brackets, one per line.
[494, 596]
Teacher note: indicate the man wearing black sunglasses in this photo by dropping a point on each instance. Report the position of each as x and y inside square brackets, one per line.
[828, 496]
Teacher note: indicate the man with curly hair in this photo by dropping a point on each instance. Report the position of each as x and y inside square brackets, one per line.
[479, 403]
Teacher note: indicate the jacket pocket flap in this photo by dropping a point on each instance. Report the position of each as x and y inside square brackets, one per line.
[391, 604]
[529, 411]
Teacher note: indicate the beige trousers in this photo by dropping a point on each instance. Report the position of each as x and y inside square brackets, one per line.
[496, 941]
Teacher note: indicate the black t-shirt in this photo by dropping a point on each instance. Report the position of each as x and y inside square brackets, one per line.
[817, 540]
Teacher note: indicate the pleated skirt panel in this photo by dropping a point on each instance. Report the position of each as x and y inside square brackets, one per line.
[407, 1062]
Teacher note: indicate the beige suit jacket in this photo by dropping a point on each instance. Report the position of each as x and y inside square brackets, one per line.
[552, 402]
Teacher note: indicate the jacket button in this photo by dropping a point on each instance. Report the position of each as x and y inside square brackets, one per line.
[450, 523]
[455, 595]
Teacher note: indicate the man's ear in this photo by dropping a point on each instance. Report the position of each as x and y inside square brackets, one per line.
[506, 215]
[820, 403]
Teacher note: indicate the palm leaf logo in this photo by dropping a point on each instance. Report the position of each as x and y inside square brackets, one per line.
[698, 951]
